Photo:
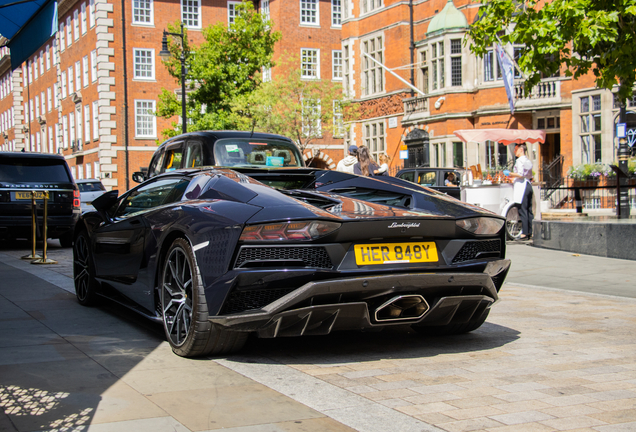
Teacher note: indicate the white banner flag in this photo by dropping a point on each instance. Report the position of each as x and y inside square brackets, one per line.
[508, 76]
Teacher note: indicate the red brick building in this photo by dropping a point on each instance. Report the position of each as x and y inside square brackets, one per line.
[459, 91]
[90, 91]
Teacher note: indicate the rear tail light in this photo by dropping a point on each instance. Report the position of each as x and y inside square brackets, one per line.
[76, 198]
[481, 225]
[289, 231]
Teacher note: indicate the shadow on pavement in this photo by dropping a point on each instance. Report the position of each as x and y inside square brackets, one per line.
[399, 342]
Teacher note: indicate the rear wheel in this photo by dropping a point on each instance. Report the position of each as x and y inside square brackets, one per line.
[452, 329]
[513, 223]
[84, 271]
[185, 311]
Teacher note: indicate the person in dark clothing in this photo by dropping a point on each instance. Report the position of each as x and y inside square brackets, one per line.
[365, 165]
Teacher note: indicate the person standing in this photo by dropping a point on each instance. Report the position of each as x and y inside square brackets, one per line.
[365, 165]
[522, 189]
[346, 164]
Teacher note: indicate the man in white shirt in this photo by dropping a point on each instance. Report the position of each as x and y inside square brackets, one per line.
[522, 175]
[346, 164]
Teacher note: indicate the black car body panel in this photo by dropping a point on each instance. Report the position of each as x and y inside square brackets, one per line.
[285, 288]
[21, 173]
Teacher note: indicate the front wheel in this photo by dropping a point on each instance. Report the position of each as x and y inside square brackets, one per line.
[185, 311]
[513, 223]
[84, 271]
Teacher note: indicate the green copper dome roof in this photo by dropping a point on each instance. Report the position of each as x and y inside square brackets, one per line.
[448, 18]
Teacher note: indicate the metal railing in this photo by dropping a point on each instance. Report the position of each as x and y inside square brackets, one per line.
[587, 194]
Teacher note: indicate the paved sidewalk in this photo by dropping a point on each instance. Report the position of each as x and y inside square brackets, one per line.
[547, 359]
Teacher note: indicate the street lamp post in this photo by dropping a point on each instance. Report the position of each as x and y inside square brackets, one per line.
[166, 54]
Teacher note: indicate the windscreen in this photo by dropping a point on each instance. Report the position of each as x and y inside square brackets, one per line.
[91, 187]
[33, 170]
[257, 153]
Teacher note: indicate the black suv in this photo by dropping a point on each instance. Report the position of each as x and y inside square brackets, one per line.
[223, 148]
[435, 178]
[21, 173]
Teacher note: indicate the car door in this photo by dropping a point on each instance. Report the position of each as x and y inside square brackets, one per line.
[449, 184]
[119, 246]
[193, 155]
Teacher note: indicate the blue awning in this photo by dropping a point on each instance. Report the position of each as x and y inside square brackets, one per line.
[27, 25]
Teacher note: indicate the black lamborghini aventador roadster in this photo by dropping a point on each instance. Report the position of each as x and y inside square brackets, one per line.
[216, 254]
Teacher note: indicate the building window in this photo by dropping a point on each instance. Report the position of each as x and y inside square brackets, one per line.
[309, 12]
[311, 113]
[85, 71]
[87, 123]
[95, 120]
[591, 145]
[89, 174]
[336, 64]
[43, 103]
[190, 13]
[267, 74]
[49, 99]
[62, 37]
[145, 120]
[83, 19]
[41, 62]
[97, 173]
[48, 58]
[71, 89]
[142, 12]
[93, 65]
[437, 62]
[309, 63]
[372, 77]
[373, 135]
[458, 154]
[69, 31]
[91, 13]
[338, 122]
[65, 131]
[78, 123]
[265, 9]
[76, 24]
[346, 75]
[78, 76]
[517, 55]
[144, 63]
[456, 62]
[231, 11]
[54, 54]
[63, 80]
[336, 13]
[56, 95]
[423, 71]
[71, 129]
[370, 5]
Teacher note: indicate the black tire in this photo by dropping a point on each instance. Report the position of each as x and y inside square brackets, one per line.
[66, 240]
[452, 329]
[185, 310]
[86, 286]
[513, 223]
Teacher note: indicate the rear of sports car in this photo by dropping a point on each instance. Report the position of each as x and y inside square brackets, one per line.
[361, 265]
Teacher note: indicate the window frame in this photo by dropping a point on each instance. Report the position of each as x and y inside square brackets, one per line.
[231, 11]
[371, 69]
[306, 14]
[336, 13]
[146, 12]
[137, 64]
[374, 137]
[153, 118]
[186, 22]
[336, 63]
[303, 56]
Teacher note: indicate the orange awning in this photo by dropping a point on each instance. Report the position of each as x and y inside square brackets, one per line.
[504, 136]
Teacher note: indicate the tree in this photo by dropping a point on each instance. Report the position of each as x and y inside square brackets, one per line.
[293, 106]
[223, 68]
[582, 35]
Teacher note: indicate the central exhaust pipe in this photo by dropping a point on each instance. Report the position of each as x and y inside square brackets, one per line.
[401, 308]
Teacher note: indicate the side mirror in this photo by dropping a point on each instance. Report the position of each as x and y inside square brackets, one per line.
[138, 177]
[104, 202]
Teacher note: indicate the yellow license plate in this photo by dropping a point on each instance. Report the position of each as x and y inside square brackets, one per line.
[395, 253]
[27, 195]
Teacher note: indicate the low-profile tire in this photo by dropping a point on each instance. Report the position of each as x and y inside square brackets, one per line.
[513, 223]
[185, 311]
[86, 286]
[452, 329]
[66, 240]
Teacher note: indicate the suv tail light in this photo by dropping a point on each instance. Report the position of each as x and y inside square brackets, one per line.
[76, 198]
